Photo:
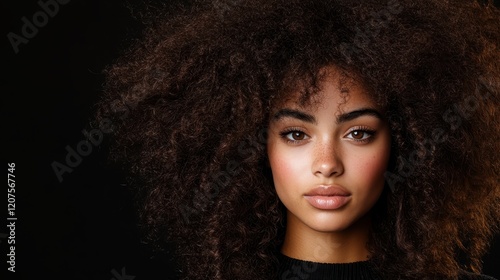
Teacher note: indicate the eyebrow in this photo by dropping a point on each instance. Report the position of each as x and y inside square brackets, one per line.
[342, 118]
[345, 117]
[296, 114]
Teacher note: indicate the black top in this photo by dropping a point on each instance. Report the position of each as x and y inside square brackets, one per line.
[293, 269]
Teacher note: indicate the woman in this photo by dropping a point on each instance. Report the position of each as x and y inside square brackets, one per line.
[314, 139]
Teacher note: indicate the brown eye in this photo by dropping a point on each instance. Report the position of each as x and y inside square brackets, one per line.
[357, 134]
[297, 135]
[360, 134]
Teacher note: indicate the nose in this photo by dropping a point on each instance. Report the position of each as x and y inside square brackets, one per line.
[327, 160]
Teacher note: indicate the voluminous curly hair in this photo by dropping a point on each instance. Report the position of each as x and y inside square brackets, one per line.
[189, 104]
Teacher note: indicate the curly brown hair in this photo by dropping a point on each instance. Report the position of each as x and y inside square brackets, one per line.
[189, 104]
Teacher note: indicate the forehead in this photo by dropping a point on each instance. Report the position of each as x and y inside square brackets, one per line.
[335, 87]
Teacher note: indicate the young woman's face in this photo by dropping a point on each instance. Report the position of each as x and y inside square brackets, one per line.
[328, 159]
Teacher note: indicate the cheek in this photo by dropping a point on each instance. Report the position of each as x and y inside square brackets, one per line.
[371, 168]
[282, 166]
[287, 165]
[374, 167]
[280, 169]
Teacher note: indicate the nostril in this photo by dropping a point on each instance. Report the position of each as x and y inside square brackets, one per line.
[327, 166]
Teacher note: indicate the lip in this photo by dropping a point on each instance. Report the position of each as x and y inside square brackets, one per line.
[328, 197]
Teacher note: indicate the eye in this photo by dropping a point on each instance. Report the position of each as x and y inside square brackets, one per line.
[360, 134]
[294, 136]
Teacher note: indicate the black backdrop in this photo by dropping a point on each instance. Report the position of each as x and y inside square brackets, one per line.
[82, 227]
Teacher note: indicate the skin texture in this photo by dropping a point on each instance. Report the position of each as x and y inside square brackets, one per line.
[328, 151]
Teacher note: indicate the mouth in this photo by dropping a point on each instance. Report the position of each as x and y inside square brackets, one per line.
[328, 197]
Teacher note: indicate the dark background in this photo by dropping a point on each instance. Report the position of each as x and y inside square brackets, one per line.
[83, 227]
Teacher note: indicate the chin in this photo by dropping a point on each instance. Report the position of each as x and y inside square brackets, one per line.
[337, 224]
[331, 225]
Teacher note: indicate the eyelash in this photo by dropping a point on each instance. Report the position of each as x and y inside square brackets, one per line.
[365, 130]
[287, 132]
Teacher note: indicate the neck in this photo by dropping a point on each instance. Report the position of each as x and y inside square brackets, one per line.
[304, 243]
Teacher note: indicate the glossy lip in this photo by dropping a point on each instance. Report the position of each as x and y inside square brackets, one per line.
[328, 197]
